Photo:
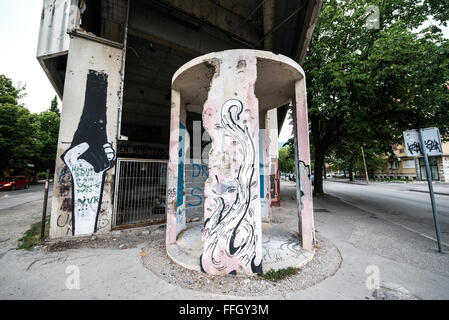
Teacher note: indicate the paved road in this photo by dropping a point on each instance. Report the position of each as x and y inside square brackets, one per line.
[10, 199]
[399, 204]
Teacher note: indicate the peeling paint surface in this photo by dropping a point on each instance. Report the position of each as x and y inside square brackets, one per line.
[232, 229]
[84, 175]
[242, 173]
[303, 171]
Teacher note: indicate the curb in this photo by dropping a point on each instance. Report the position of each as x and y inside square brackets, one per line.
[422, 191]
[348, 182]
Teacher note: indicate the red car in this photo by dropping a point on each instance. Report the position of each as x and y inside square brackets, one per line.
[13, 183]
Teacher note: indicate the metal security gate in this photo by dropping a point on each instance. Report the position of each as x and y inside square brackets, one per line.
[140, 191]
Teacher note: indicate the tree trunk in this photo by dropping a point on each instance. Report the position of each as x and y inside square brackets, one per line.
[318, 172]
[351, 168]
[324, 171]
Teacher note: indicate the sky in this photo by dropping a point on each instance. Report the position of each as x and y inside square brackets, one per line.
[19, 30]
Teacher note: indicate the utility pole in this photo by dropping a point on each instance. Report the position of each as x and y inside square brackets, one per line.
[364, 163]
[432, 196]
[44, 210]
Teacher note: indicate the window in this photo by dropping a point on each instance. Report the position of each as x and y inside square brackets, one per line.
[409, 164]
[394, 165]
[433, 168]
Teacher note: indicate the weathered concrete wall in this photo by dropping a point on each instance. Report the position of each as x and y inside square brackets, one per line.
[84, 174]
[232, 237]
[264, 156]
[176, 217]
[302, 166]
[57, 17]
[443, 168]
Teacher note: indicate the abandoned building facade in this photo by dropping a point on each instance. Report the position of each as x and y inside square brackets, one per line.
[112, 63]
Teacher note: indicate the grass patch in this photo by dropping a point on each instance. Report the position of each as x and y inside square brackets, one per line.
[280, 274]
[33, 236]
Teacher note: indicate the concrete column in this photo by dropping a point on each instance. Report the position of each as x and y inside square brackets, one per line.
[272, 125]
[303, 170]
[264, 166]
[176, 219]
[84, 177]
[232, 236]
[443, 168]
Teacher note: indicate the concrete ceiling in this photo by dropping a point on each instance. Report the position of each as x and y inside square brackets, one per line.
[203, 26]
[165, 34]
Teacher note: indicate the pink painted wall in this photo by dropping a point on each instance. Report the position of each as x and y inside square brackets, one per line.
[232, 237]
[303, 170]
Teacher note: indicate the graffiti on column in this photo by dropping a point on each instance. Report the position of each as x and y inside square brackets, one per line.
[303, 171]
[273, 186]
[199, 174]
[232, 221]
[180, 210]
[65, 193]
[89, 156]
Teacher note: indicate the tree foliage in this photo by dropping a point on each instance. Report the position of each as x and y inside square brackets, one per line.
[8, 93]
[47, 129]
[25, 138]
[54, 106]
[17, 145]
[286, 161]
[366, 85]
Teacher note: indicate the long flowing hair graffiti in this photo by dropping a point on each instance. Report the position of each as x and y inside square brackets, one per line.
[234, 221]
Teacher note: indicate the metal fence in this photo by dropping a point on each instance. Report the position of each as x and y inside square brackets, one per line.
[140, 192]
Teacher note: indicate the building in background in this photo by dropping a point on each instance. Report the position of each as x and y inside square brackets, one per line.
[403, 167]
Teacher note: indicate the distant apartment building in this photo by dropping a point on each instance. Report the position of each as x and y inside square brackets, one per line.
[402, 166]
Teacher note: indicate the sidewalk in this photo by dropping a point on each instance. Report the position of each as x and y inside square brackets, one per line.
[441, 188]
[407, 264]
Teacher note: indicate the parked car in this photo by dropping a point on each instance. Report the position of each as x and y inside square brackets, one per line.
[13, 183]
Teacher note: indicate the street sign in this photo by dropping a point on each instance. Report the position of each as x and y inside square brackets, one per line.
[430, 139]
[432, 142]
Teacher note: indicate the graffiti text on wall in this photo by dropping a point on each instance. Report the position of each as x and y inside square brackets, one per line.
[198, 172]
[89, 156]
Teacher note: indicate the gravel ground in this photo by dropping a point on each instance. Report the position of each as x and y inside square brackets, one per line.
[122, 239]
[325, 263]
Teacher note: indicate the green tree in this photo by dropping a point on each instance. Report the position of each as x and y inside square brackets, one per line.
[286, 162]
[8, 93]
[17, 145]
[46, 136]
[366, 85]
[54, 106]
